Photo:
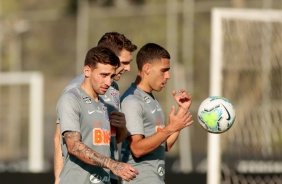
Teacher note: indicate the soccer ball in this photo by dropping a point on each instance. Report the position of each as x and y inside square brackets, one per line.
[216, 114]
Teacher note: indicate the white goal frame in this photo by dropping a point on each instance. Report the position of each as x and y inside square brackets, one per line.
[218, 14]
[35, 143]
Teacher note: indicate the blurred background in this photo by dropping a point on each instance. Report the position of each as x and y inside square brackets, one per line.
[43, 45]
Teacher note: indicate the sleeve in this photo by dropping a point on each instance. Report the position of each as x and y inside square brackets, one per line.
[132, 110]
[68, 110]
[58, 120]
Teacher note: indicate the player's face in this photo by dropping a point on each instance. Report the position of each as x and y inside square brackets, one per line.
[125, 58]
[101, 78]
[159, 74]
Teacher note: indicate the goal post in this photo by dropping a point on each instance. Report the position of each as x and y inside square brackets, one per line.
[35, 143]
[213, 157]
[246, 47]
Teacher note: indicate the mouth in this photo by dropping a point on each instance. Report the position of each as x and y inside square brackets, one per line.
[118, 76]
[120, 73]
[104, 89]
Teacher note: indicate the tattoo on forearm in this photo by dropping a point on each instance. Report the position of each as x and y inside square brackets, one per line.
[83, 152]
[117, 166]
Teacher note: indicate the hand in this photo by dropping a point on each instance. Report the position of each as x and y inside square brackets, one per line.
[123, 170]
[183, 98]
[117, 119]
[179, 121]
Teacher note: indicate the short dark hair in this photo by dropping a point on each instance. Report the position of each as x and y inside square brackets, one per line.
[149, 53]
[101, 55]
[116, 42]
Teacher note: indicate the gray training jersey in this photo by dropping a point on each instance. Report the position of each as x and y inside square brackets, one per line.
[78, 112]
[144, 116]
[112, 101]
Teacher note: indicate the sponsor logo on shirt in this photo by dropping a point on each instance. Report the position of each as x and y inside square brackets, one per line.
[159, 128]
[87, 100]
[161, 171]
[158, 122]
[101, 136]
[90, 112]
[156, 109]
[159, 125]
[153, 111]
[147, 99]
[98, 110]
[96, 179]
[97, 124]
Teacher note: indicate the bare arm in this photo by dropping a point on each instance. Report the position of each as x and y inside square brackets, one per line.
[89, 156]
[172, 139]
[141, 146]
[58, 159]
[184, 101]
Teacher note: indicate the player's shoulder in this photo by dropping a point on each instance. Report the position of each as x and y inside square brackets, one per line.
[131, 102]
[131, 98]
[72, 93]
[132, 95]
[74, 83]
[129, 93]
[69, 98]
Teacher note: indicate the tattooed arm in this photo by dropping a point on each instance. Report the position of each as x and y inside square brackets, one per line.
[89, 156]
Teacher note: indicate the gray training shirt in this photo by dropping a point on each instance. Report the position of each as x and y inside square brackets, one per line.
[111, 99]
[144, 116]
[78, 112]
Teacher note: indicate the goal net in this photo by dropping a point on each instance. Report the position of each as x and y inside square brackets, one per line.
[246, 68]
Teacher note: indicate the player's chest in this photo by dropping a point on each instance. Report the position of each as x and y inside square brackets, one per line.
[111, 98]
[94, 115]
[153, 116]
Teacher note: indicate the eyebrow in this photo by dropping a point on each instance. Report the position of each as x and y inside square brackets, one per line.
[105, 73]
[166, 69]
[126, 61]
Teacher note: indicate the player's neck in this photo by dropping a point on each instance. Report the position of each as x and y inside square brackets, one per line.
[88, 89]
[142, 84]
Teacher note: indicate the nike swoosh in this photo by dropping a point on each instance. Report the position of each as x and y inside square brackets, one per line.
[153, 111]
[227, 112]
[90, 112]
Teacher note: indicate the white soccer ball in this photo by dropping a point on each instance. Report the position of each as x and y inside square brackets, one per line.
[216, 114]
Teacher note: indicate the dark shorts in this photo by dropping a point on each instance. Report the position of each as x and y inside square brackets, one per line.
[114, 181]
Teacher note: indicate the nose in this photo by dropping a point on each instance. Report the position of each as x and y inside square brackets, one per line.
[109, 81]
[167, 75]
[127, 68]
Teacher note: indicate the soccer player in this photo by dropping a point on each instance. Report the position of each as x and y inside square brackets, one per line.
[148, 136]
[123, 48]
[84, 124]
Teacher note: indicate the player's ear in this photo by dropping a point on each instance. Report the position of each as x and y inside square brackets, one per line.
[147, 68]
[86, 71]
